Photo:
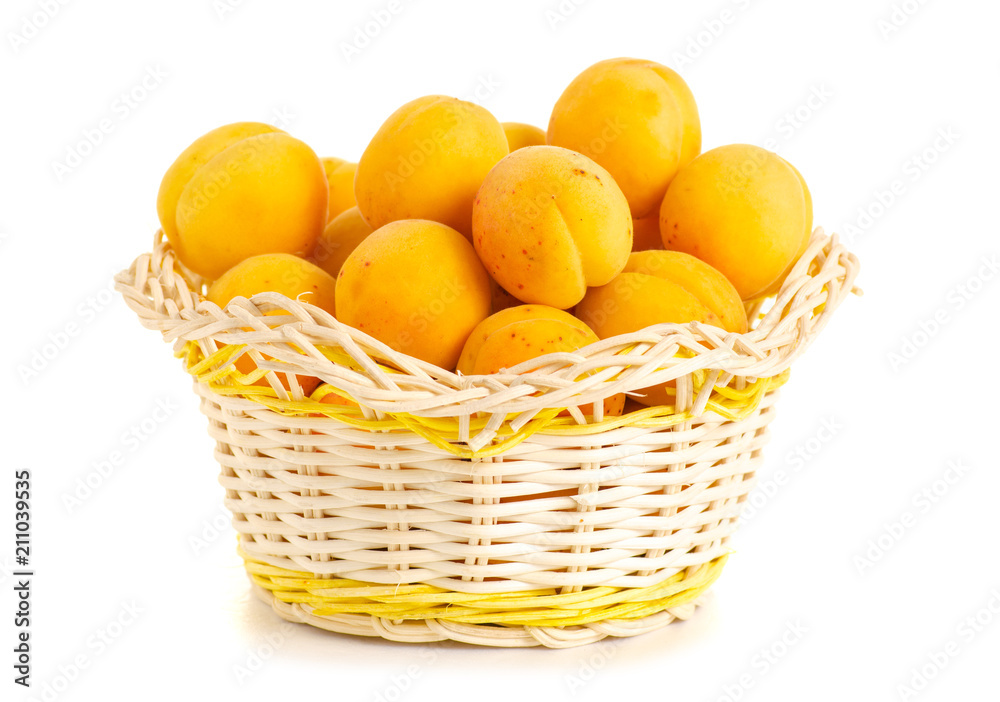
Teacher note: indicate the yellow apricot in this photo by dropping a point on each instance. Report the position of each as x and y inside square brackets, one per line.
[646, 233]
[496, 321]
[200, 152]
[427, 161]
[548, 223]
[744, 210]
[520, 135]
[662, 286]
[340, 179]
[636, 118]
[500, 299]
[264, 194]
[518, 334]
[339, 239]
[657, 287]
[418, 287]
[332, 398]
[289, 275]
[773, 288]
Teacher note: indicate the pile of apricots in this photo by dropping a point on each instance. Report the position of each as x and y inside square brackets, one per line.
[477, 245]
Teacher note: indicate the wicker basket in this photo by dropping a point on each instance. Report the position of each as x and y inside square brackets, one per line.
[473, 508]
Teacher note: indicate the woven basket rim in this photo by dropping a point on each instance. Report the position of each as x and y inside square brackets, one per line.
[167, 297]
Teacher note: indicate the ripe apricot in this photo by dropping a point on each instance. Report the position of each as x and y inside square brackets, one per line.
[339, 239]
[646, 233]
[194, 157]
[340, 182]
[500, 298]
[520, 135]
[657, 287]
[519, 334]
[418, 287]
[283, 273]
[548, 223]
[636, 118]
[263, 194]
[427, 161]
[744, 210]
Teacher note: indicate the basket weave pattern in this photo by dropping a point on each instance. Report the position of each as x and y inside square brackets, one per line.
[468, 508]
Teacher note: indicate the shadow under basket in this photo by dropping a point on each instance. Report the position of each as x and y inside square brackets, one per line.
[421, 505]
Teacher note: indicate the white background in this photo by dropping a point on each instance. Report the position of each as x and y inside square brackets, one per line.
[887, 83]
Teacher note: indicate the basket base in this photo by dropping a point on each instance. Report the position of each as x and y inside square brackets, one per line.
[506, 636]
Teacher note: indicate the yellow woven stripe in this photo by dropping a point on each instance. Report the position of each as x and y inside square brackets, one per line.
[328, 597]
[223, 378]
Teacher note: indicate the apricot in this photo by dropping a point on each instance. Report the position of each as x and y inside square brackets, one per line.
[340, 182]
[657, 287]
[339, 239]
[283, 273]
[500, 299]
[418, 287]
[773, 288]
[427, 161]
[332, 398]
[636, 118]
[498, 320]
[744, 210]
[548, 223]
[646, 233]
[200, 152]
[519, 334]
[520, 135]
[263, 194]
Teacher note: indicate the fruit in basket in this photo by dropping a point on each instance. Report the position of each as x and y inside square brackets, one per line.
[646, 233]
[744, 210]
[339, 239]
[520, 135]
[416, 286]
[500, 298]
[657, 287]
[636, 118]
[548, 223]
[340, 185]
[518, 334]
[289, 275]
[231, 196]
[330, 397]
[199, 153]
[427, 161]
